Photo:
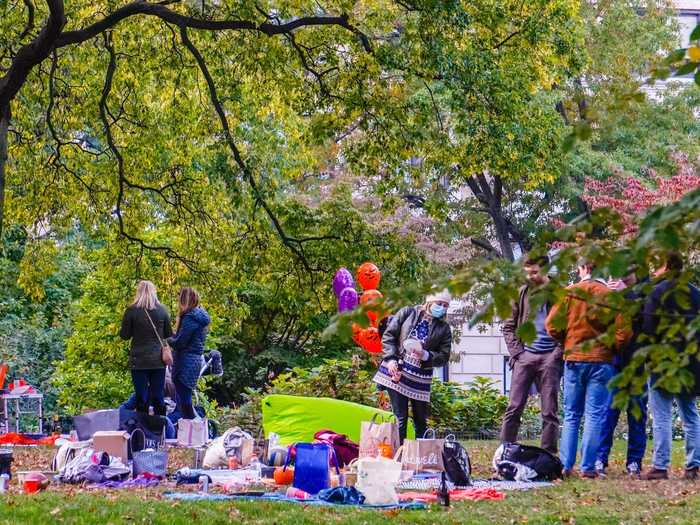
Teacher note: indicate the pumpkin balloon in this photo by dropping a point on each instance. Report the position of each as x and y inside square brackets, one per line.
[371, 340]
[369, 296]
[342, 280]
[357, 334]
[368, 275]
[347, 300]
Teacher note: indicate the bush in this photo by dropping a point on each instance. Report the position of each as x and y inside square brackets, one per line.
[477, 408]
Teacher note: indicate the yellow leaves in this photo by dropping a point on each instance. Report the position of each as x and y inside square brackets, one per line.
[38, 263]
[694, 53]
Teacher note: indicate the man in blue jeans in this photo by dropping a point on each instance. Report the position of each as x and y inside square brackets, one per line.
[673, 301]
[636, 424]
[577, 322]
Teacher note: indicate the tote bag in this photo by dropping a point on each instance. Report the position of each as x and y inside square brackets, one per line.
[192, 433]
[377, 479]
[153, 461]
[422, 455]
[373, 434]
[311, 472]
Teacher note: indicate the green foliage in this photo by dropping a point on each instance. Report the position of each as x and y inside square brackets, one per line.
[456, 408]
[36, 311]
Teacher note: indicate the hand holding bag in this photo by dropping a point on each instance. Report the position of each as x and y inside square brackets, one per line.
[166, 353]
[373, 434]
[422, 455]
[152, 461]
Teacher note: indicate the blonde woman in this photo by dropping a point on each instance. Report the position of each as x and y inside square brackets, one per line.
[146, 322]
[191, 330]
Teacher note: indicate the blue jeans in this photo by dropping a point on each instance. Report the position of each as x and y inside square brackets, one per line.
[585, 396]
[661, 404]
[149, 388]
[637, 435]
[184, 400]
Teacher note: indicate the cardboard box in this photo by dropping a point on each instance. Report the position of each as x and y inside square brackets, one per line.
[113, 442]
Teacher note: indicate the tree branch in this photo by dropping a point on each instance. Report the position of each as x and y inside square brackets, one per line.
[160, 10]
[123, 181]
[30, 19]
[293, 244]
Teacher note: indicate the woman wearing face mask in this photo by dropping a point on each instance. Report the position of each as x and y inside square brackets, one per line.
[417, 339]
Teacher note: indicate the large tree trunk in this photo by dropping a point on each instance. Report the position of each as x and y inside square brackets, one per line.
[490, 194]
[4, 127]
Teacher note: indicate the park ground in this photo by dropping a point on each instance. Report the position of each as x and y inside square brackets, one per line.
[616, 500]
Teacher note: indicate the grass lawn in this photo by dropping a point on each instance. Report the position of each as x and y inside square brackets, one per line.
[615, 500]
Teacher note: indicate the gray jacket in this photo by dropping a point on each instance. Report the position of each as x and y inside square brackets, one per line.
[438, 344]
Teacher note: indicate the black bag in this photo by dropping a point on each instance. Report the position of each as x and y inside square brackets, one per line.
[514, 461]
[458, 466]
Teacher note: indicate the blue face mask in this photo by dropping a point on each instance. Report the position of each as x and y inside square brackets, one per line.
[437, 310]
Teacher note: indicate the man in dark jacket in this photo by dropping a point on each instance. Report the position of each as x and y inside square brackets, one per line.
[636, 424]
[538, 363]
[671, 303]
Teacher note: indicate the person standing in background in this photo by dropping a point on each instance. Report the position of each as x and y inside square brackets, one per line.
[538, 363]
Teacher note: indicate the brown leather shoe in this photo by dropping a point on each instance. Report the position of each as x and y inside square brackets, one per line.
[655, 474]
[589, 475]
[691, 473]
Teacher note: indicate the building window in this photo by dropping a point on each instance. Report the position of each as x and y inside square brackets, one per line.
[686, 23]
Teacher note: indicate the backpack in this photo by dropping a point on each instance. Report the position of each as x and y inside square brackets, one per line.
[458, 466]
[516, 462]
[345, 450]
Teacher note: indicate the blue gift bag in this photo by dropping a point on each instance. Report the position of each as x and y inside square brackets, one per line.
[311, 467]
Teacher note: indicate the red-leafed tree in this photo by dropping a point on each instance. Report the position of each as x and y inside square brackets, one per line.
[632, 197]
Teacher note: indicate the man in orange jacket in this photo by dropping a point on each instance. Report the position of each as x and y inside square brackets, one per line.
[577, 322]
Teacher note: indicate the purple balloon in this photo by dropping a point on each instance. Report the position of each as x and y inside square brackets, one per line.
[342, 280]
[348, 300]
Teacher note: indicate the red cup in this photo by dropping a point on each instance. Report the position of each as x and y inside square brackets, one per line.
[31, 486]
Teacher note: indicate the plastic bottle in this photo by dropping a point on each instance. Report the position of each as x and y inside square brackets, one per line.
[256, 467]
[443, 494]
[204, 480]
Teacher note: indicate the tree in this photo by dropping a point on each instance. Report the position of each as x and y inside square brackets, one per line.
[631, 198]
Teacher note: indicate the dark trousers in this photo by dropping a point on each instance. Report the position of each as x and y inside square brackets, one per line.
[637, 435]
[184, 400]
[421, 409]
[544, 371]
[149, 388]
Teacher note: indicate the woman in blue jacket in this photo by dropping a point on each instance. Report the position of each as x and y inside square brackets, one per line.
[191, 330]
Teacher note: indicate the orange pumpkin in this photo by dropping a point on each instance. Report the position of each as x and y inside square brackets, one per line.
[368, 275]
[283, 476]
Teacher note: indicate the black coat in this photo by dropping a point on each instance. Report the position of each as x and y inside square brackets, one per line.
[145, 347]
[438, 344]
[677, 303]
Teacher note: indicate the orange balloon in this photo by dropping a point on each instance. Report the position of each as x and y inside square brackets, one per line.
[369, 296]
[357, 334]
[371, 340]
[368, 275]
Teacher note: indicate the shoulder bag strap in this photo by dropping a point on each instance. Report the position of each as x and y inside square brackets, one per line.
[155, 330]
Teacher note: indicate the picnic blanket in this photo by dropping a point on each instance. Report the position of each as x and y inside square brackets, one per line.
[431, 482]
[199, 496]
[474, 494]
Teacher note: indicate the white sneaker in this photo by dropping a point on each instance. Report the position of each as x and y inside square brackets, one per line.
[633, 470]
[600, 468]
